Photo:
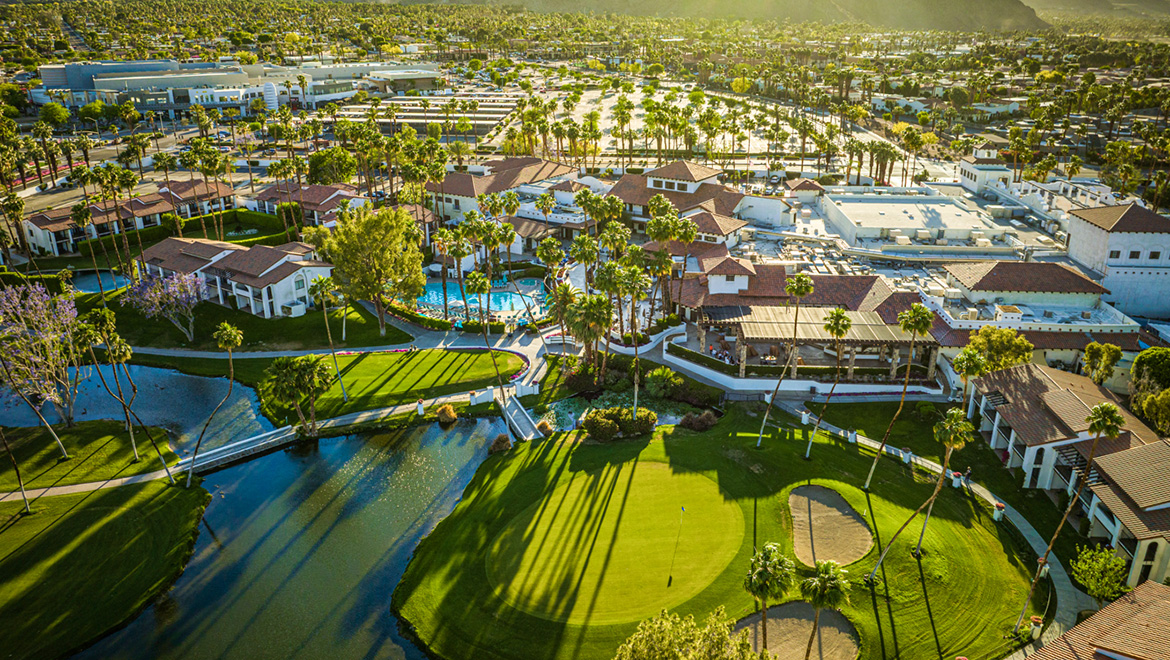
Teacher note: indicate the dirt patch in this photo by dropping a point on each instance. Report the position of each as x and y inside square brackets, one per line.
[789, 627]
[825, 526]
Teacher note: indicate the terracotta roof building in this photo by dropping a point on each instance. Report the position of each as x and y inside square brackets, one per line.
[319, 203]
[1128, 245]
[1037, 417]
[1133, 627]
[268, 281]
[458, 192]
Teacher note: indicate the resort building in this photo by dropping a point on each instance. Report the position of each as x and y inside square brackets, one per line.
[458, 193]
[53, 231]
[1129, 246]
[319, 203]
[983, 168]
[1035, 416]
[261, 280]
[688, 186]
[1133, 627]
[1054, 306]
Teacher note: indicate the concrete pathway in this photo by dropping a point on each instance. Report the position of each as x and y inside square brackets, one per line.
[35, 493]
[1069, 599]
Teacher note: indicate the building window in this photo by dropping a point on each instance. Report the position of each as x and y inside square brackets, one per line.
[1135, 254]
[657, 183]
[729, 278]
[1155, 256]
[670, 185]
[1115, 254]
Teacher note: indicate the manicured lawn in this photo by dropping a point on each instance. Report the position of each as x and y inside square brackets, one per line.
[380, 380]
[559, 548]
[260, 334]
[871, 419]
[83, 564]
[98, 450]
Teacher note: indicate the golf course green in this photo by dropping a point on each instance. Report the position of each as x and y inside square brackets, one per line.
[560, 547]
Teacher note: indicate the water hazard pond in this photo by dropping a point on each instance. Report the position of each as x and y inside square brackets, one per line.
[302, 548]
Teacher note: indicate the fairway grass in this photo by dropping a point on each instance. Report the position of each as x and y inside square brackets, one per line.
[83, 564]
[640, 529]
[98, 450]
[559, 547]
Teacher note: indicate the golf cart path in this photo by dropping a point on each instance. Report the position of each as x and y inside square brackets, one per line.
[1069, 599]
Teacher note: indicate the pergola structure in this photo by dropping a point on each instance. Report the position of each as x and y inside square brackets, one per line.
[775, 325]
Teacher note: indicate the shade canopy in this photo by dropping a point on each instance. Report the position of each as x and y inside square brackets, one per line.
[768, 323]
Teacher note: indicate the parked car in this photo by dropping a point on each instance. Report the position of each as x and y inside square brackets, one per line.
[774, 179]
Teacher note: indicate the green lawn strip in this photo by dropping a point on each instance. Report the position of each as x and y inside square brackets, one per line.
[84, 564]
[260, 334]
[962, 603]
[98, 450]
[871, 420]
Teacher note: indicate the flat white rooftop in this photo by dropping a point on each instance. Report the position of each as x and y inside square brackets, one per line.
[910, 213]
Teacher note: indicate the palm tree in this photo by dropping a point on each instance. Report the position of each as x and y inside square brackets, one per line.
[545, 204]
[953, 432]
[635, 284]
[442, 240]
[969, 363]
[1104, 420]
[564, 300]
[829, 588]
[916, 321]
[589, 320]
[228, 337]
[459, 249]
[770, 576]
[479, 285]
[313, 380]
[285, 385]
[83, 218]
[323, 291]
[685, 231]
[584, 251]
[798, 286]
[837, 324]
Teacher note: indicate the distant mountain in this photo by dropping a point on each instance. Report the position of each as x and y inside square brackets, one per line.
[902, 14]
[1109, 7]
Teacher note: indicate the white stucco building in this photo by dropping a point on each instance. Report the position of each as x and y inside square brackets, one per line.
[1129, 246]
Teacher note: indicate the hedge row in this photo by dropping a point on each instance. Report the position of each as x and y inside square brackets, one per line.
[51, 282]
[418, 319]
[194, 226]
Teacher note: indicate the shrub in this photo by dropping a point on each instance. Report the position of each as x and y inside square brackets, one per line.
[447, 414]
[698, 394]
[925, 409]
[599, 427]
[501, 443]
[633, 427]
[662, 383]
[544, 427]
[701, 422]
[416, 318]
[477, 327]
[580, 379]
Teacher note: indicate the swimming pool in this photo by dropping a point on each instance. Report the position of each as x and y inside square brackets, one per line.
[87, 281]
[529, 281]
[501, 301]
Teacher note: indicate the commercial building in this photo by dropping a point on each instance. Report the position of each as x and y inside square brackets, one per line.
[907, 219]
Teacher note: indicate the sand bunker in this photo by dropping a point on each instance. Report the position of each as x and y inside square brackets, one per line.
[825, 526]
[790, 625]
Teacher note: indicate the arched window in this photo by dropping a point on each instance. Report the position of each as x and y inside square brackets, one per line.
[1151, 551]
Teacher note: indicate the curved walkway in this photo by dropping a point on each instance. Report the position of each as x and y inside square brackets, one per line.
[1069, 600]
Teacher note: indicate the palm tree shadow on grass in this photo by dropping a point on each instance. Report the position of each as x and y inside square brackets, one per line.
[873, 593]
[929, 612]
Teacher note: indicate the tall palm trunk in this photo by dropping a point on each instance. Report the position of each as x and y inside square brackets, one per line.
[16, 469]
[483, 323]
[929, 503]
[1064, 518]
[199, 441]
[463, 294]
[780, 379]
[897, 413]
[813, 637]
[329, 334]
[817, 426]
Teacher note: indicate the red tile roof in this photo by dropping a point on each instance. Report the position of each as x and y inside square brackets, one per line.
[515, 173]
[684, 170]
[632, 189]
[1128, 218]
[715, 224]
[1137, 625]
[1023, 276]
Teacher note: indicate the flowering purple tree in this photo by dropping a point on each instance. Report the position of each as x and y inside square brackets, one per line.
[173, 297]
[42, 350]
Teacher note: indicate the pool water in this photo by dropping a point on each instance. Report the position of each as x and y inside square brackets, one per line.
[501, 301]
[87, 281]
[529, 281]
